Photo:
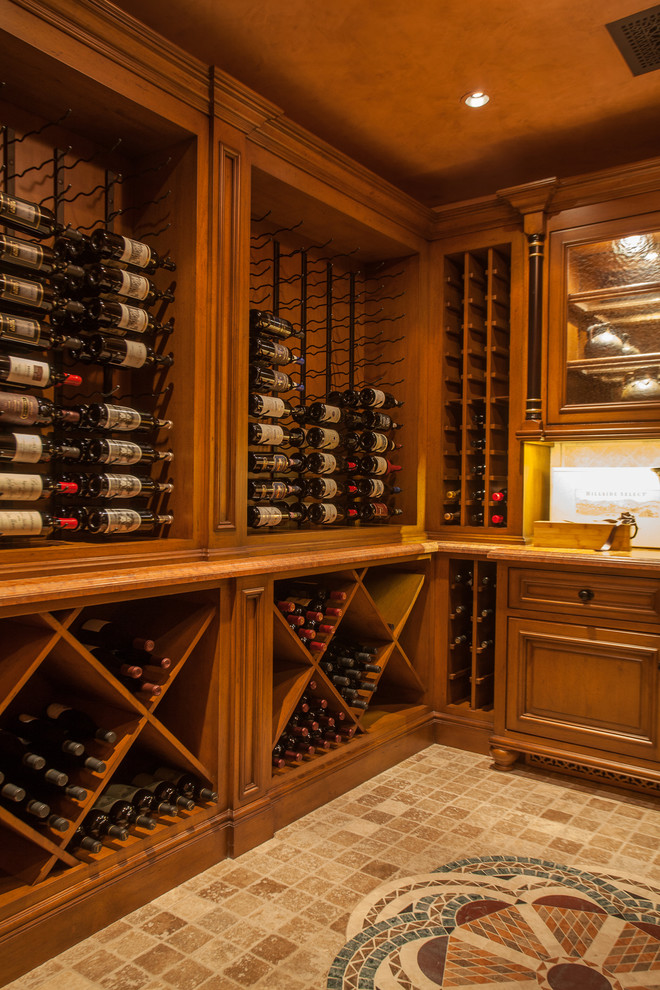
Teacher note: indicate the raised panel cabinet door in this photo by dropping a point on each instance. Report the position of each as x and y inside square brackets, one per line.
[584, 685]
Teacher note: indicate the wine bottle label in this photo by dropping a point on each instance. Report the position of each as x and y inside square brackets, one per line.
[120, 418]
[19, 328]
[267, 515]
[331, 414]
[135, 253]
[121, 485]
[325, 463]
[21, 487]
[136, 355]
[31, 293]
[272, 406]
[135, 286]
[54, 710]
[376, 487]
[20, 523]
[24, 372]
[379, 465]
[27, 213]
[329, 512]
[121, 792]
[120, 521]
[121, 452]
[330, 439]
[381, 442]
[29, 255]
[269, 489]
[269, 433]
[378, 400]
[133, 318]
[18, 408]
[279, 353]
[379, 509]
[94, 625]
[329, 487]
[29, 448]
[280, 381]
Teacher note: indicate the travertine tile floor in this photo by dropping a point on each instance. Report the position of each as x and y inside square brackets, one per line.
[276, 917]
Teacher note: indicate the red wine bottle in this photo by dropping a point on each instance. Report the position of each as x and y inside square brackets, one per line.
[21, 409]
[327, 513]
[30, 294]
[30, 487]
[121, 282]
[323, 463]
[111, 521]
[373, 464]
[122, 813]
[97, 824]
[125, 250]
[274, 326]
[23, 522]
[125, 353]
[144, 800]
[163, 790]
[25, 371]
[27, 332]
[328, 488]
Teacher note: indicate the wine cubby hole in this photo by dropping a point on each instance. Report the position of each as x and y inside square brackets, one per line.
[108, 158]
[43, 661]
[383, 610]
[471, 646]
[476, 351]
[354, 290]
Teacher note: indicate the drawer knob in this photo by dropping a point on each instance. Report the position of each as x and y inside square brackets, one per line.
[585, 594]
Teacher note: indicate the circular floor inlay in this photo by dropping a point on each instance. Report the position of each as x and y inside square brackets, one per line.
[573, 976]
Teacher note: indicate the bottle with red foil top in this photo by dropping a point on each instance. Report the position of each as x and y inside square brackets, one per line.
[39, 374]
[327, 488]
[30, 487]
[499, 496]
[23, 522]
[376, 465]
[498, 519]
[327, 513]
[322, 463]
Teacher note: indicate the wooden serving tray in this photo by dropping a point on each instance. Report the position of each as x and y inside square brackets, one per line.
[581, 536]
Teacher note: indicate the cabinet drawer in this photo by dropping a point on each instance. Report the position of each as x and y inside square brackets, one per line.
[585, 594]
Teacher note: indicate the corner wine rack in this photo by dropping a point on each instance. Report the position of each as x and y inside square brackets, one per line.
[42, 660]
[471, 640]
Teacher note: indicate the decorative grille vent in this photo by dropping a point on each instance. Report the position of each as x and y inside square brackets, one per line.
[638, 39]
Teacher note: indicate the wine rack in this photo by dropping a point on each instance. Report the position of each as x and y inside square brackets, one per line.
[379, 612]
[471, 646]
[475, 429]
[44, 661]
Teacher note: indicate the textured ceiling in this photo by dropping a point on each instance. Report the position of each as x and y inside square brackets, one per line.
[382, 80]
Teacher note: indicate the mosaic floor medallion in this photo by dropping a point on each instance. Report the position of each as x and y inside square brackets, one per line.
[503, 923]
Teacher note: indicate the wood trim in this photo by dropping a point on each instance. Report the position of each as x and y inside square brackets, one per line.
[120, 38]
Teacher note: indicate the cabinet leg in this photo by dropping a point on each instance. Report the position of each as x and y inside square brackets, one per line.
[503, 759]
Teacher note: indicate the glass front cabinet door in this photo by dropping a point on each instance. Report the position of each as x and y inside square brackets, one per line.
[604, 325]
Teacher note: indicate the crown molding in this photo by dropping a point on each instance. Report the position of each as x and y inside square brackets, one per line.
[474, 215]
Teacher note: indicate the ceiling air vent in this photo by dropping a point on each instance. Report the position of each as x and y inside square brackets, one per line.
[638, 39]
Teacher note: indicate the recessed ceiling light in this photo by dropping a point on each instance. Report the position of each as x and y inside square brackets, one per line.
[476, 99]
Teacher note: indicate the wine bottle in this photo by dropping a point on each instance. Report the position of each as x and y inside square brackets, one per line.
[27, 332]
[109, 521]
[125, 353]
[348, 399]
[476, 519]
[122, 486]
[51, 738]
[187, 784]
[326, 513]
[79, 723]
[276, 381]
[374, 398]
[127, 251]
[97, 824]
[275, 515]
[274, 490]
[80, 840]
[124, 452]
[498, 519]
[321, 412]
[144, 800]
[111, 635]
[377, 442]
[116, 664]
[462, 639]
[35, 295]
[478, 444]
[273, 433]
[21, 409]
[322, 463]
[32, 448]
[374, 464]
[163, 790]
[122, 813]
[23, 522]
[486, 644]
[461, 610]
[120, 282]
[487, 613]
[17, 753]
[122, 318]
[25, 371]
[377, 420]
[106, 416]
[272, 351]
[38, 221]
[453, 495]
[282, 755]
[499, 496]
[328, 488]
[377, 512]
[478, 417]
[273, 406]
[275, 463]
[274, 326]
[374, 487]
[30, 487]
[478, 468]
[323, 439]
[35, 258]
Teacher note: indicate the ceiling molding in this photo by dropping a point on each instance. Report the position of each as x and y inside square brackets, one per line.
[238, 105]
[473, 215]
[607, 184]
[130, 44]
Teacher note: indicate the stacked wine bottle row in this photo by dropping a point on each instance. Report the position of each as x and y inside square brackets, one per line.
[313, 729]
[53, 757]
[471, 633]
[476, 375]
[67, 311]
[338, 468]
